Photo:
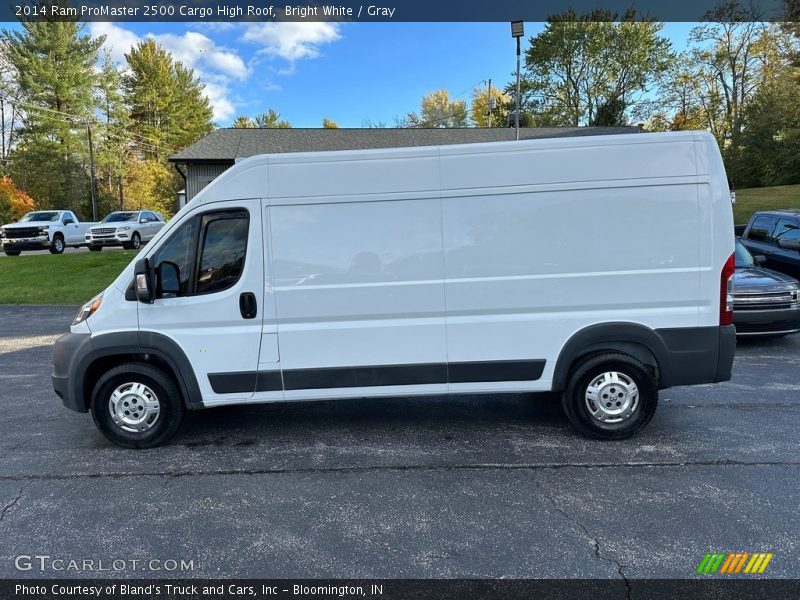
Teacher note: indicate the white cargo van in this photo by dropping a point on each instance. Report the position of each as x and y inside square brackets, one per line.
[599, 267]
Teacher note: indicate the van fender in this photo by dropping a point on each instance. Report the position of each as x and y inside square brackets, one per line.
[170, 352]
[130, 343]
[634, 339]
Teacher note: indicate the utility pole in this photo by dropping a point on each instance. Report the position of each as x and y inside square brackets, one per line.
[517, 31]
[91, 171]
[489, 105]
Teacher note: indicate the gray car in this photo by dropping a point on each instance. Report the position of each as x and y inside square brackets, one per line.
[765, 302]
[127, 228]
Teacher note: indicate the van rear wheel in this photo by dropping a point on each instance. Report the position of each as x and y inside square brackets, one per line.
[610, 396]
[136, 405]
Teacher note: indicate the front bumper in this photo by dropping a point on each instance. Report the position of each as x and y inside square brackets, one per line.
[108, 240]
[766, 321]
[30, 243]
[68, 353]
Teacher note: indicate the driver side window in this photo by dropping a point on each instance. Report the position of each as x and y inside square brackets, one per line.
[179, 249]
[209, 251]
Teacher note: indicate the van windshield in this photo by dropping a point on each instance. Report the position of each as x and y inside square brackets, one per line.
[118, 217]
[42, 215]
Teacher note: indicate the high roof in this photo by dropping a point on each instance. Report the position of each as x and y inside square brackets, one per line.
[227, 145]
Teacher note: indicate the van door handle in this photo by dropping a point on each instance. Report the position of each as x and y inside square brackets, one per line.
[248, 305]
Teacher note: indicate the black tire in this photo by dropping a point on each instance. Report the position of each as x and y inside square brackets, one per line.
[169, 398]
[136, 241]
[57, 245]
[642, 406]
[12, 252]
[93, 248]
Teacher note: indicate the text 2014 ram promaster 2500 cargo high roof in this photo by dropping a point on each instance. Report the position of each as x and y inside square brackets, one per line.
[598, 267]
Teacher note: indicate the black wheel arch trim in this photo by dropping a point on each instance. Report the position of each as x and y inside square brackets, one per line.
[75, 353]
[681, 355]
[628, 338]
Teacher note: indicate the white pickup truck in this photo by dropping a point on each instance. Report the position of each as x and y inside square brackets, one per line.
[52, 230]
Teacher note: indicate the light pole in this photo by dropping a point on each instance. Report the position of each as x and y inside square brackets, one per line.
[517, 31]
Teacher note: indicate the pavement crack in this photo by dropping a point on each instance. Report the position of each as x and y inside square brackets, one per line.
[10, 505]
[394, 468]
[595, 541]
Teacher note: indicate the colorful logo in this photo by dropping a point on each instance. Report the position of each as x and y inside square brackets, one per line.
[732, 563]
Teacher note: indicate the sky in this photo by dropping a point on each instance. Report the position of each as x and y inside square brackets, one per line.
[349, 72]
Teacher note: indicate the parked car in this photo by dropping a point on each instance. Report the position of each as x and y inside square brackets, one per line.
[765, 302]
[419, 271]
[775, 234]
[51, 230]
[127, 228]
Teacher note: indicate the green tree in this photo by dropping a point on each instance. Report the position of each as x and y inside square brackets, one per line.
[54, 71]
[244, 122]
[114, 148]
[438, 110]
[479, 109]
[151, 185]
[580, 63]
[770, 142]
[168, 109]
[271, 120]
[329, 124]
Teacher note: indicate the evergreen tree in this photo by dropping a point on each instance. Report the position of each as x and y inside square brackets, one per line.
[168, 109]
[54, 66]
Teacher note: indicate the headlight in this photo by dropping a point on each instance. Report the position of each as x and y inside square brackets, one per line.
[123, 228]
[88, 309]
[44, 229]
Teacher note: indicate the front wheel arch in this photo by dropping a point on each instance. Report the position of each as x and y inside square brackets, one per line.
[113, 349]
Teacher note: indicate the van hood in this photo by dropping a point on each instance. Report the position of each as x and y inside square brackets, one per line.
[759, 279]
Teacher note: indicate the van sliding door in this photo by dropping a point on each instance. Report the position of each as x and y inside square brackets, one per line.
[360, 297]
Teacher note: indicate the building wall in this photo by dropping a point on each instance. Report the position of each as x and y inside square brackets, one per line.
[199, 175]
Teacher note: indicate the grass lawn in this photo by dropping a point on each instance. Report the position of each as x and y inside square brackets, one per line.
[60, 278]
[768, 198]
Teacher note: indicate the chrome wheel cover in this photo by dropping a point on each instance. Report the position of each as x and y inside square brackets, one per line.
[611, 397]
[134, 407]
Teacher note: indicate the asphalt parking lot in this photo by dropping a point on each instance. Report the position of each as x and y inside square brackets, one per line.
[463, 486]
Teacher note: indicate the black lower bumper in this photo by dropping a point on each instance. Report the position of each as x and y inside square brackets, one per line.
[107, 242]
[698, 354]
[766, 322]
[68, 352]
[17, 247]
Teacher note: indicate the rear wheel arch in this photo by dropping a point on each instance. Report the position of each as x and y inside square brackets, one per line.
[633, 339]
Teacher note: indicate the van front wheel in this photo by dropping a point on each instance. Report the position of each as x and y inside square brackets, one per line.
[136, 405]
[610, 396]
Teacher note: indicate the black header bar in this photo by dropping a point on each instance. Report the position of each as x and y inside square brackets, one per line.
[378, 10]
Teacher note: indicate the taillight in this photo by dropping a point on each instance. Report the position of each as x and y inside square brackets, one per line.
[726, 292]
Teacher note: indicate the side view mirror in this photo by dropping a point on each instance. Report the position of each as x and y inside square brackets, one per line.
[760, 259]
[143, 281]
[169, 280]
[789, 244]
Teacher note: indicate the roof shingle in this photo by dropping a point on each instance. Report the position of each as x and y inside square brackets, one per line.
[226, 145]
